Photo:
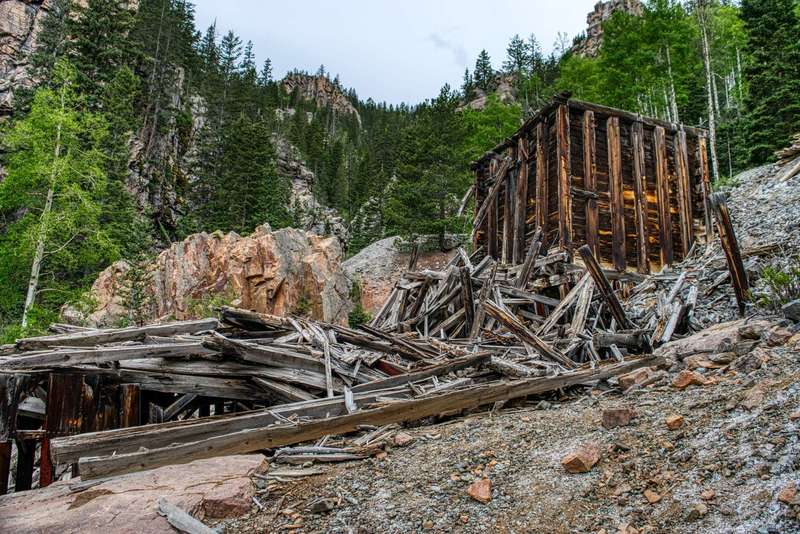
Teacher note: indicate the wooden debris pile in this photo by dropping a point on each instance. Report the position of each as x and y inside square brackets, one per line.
[475, 334]
[789, 157]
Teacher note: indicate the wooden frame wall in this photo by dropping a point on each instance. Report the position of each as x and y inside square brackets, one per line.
[632, 188]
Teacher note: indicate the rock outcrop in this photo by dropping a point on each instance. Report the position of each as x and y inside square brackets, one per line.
[217, 488]
[505, 92]
[281, 272]
[20, 21]
[322, 90]
[310, 215]
[590, 45]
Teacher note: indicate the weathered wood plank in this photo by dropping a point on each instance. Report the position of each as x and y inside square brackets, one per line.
[100, 337]
[564, 177]
[705, 183]
[271, 437]
[730, 246]
[684, 191]
[541, 175]
[640, 199]
[617, 194]
[663, 196]
[604, 286]
[590, 179]
[521, 208]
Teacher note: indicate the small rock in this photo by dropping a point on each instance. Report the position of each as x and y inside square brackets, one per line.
[622, 489]
[581, 460]
[674, 422]
[696, 512]
[754, 396]
[651, 496]
[723, 358]
[322, 505]
[634, 377]
[481, 490]
[778, 336]
[708, 494]
[427, 524]
[615, 417]
[402, 439]
[791, 310]
[788, 494]
[751, 331]
[794, 416]
[382, 455]
[688, 378]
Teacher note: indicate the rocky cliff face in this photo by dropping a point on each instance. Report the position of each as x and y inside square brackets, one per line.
[590, 46]
[20, 21]
[281, 272]
[310, 214]
[322, 91]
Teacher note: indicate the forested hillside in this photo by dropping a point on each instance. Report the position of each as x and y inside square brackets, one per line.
[139, 129]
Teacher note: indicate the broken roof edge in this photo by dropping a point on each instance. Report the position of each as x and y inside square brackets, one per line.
[566, 98]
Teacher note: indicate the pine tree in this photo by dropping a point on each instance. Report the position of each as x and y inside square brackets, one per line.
[484, 73]
[468, 86]
[518, 57]
[432, 173]
[52, 39]
[773, 75]
[100, 43]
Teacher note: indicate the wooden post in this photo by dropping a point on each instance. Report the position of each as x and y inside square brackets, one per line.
[604, 286]
[590, 179]
[508, 215]
[640, 199]
[46, 468]
[5, 466]
[131, 402]
[467, 299]
[491, 216]
[616, 190]
[564, 178]
[684, 191]
[205, 408]
[521, 208]
[662, 194]
[702, 157]
[26, 451]
[541, 175]
[730, 246]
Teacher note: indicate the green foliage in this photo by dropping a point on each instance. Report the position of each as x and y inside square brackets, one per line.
[358, 315]
[209, 305]
[57, 148]
[432, 173]
[781, 286]
[773, 72]
[485, 128]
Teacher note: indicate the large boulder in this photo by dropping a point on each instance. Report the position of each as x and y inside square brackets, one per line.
[281, 272]
[216, 488]
[20, 21]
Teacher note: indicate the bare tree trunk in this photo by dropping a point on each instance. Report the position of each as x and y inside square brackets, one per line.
[739, 78]
[673, 98]
[36, 267]
[712, 119]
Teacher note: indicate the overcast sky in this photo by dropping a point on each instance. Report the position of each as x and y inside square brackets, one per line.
[393, 51]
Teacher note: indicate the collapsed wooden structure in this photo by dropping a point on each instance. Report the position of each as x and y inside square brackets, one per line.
[547, 301]
[634, 189]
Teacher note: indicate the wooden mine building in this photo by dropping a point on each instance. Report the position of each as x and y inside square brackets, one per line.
[635, 189]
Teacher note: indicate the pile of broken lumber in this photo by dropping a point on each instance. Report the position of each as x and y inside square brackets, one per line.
[476, 333]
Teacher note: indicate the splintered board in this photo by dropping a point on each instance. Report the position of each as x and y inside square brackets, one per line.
[635, 189]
